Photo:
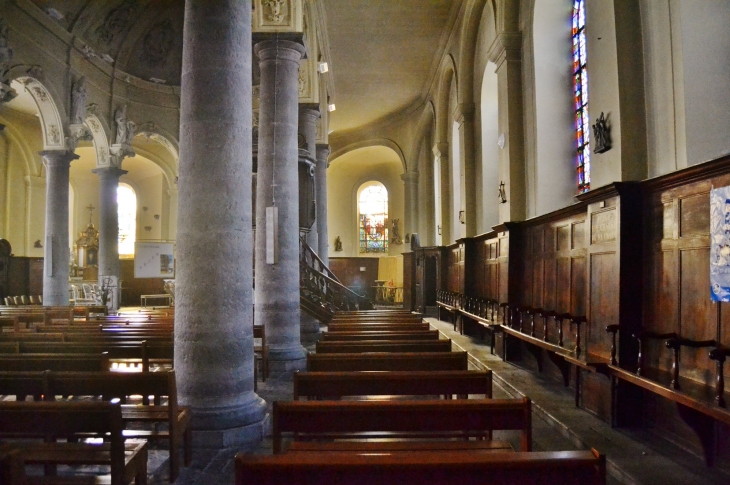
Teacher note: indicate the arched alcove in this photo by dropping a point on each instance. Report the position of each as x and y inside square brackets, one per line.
[555, 141]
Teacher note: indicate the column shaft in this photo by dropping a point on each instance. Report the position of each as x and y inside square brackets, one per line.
[277, 285]
[320, 180]
[214, 295]
[410, 225]
[109, 228]
[56, 250]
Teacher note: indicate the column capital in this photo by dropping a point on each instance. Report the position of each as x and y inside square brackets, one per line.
[410, 177]
[323, 153]
[464, 113]
[280, 46]
[310, 109]
[507, 46]
[441, 149]
[58, 157]
[109, 172]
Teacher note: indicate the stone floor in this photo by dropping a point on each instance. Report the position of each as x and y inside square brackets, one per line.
[633, 457]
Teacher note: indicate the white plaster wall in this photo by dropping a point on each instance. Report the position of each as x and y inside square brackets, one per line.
[345, 175]
[149, 194]
[489, 150]
[555, 154]
[706, 54]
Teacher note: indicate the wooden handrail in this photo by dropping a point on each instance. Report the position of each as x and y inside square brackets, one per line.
[305, 249]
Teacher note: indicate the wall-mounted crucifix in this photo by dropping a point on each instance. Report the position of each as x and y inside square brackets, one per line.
[90, 208]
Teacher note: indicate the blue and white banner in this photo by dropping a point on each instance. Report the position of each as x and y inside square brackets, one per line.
[720, 244]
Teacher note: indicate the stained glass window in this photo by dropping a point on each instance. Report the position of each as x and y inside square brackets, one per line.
[373, 217]
[127, 212]
[580, 91]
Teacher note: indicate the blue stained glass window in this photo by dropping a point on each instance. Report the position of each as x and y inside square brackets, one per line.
[373, 219]
[580, 80]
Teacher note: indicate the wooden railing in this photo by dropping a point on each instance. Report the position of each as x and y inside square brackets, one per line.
[311, 259]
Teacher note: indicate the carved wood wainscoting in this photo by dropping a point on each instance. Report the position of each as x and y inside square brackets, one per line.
[677, 300]
[428, 277]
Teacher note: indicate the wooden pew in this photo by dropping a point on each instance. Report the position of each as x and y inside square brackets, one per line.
[431, 467]
[128, 461]
[334, 385]
[58, 362]
[354, 336]
[388, 361]
[337, 347]
[400, 419]
[378, 327]
[117, 385]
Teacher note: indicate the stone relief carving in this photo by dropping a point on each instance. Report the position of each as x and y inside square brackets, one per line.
[79, 95]
[276, 11]
[40, 94]
[54, 134]
[302, 79]
[77, 132]
[158, 43]
[116, 21]
[6, 52]
[125, 127]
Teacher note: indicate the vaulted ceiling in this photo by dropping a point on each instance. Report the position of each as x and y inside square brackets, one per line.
[384, 53]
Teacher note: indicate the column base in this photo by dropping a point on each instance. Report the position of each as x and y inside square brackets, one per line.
[233, 437]
[309, 330]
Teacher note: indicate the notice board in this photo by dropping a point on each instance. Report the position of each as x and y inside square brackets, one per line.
[154, 260]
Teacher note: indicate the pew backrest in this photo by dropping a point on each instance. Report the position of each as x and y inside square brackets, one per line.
[388, 361]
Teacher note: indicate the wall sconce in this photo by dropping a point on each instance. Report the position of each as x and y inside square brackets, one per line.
[145, 209]
[502, 193]
[147, 228]
[439, 230]
[462, 216]
[37, 244]
[157, 217]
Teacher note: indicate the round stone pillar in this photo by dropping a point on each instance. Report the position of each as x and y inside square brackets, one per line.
[308, 117]
[109, 229]
[56, 250]
[320, 182]
[277, 189]
[214, 282]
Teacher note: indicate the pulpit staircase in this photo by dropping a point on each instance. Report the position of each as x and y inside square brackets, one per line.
[321, 293]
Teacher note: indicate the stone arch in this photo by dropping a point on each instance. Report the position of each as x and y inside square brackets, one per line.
[386, 142]
[470, 30]
[426, 126]
[448, 74]
[52, 123]
[30, 165]
[100, 139]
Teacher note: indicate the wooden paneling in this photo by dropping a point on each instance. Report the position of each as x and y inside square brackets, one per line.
[358, 274]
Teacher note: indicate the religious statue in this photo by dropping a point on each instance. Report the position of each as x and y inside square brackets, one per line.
[120, 117]
[79, 95]
[131, 129]
[396, 239]
[6, 52]
[338, 244]
[601, 132]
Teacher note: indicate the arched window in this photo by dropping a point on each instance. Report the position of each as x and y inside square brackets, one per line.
[373, 217]
[127, 214]
[580, 80]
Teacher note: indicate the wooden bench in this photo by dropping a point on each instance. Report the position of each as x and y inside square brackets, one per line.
[57, 362]
[378, 327]
[431, 467]
[369, 346]
[334, 385]
[442, 419]
[142, 353]
[128, 460]
[388, 361]
[699, 405]
[355, 336]
[485, 313]
[162, 296]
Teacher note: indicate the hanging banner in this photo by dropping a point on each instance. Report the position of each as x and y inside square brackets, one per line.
[720, 244]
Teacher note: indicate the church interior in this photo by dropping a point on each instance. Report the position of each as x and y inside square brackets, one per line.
[346, 241]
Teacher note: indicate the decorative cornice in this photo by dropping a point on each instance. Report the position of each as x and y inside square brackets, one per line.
[507, 46]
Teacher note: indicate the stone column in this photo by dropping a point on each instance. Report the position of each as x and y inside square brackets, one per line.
[465, 120]
[277, 284]
[214, 282]
[320, 181]
[442, 152]
[410, 225]
[56, 250]
[109, 229]
[308, 117]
